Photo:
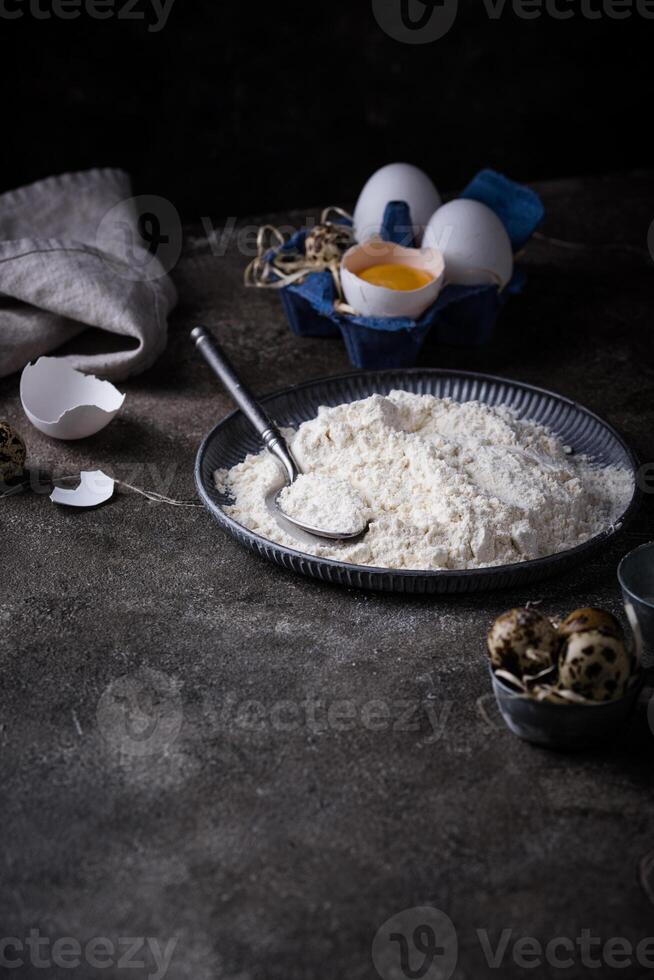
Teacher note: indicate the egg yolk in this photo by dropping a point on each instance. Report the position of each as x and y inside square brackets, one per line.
[401, 277]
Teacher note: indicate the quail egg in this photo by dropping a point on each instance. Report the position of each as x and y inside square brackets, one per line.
[595, 665]
[523, 641]
[583, 620]
[12, 453]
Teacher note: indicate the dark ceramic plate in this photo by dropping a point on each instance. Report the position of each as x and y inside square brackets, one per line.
[585, 432]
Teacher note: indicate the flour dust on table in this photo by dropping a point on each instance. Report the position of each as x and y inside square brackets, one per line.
[444, 485]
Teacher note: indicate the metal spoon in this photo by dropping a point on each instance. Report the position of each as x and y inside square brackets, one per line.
[271, 437]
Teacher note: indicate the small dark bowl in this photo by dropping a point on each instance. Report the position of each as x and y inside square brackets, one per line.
[564, 726]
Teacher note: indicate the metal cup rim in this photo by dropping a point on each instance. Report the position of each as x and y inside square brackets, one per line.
[626, 588]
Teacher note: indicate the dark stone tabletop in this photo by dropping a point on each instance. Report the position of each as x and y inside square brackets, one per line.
[202, 749]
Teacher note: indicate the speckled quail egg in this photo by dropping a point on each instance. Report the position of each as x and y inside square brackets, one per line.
[12, 453]
[595, 665]
[523, 641]
[583, 620]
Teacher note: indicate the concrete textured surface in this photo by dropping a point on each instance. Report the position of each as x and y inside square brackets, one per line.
[254, 772]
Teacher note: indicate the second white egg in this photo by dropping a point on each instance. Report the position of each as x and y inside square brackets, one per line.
[474, 243]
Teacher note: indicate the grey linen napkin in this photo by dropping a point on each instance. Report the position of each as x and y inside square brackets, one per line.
[71, 257]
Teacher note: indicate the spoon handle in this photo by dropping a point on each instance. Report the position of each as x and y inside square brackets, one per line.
[270, 435]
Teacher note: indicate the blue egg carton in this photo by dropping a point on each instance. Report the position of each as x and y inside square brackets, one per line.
[461, 316]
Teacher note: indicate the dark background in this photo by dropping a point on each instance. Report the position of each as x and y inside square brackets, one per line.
[239, 108]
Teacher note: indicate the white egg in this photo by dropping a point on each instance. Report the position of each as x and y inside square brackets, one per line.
[64, 403]
[474, 241]
[367, 299]
[395, 182]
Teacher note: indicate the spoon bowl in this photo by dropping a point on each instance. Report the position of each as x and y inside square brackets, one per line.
[309, 529]
[272, 439]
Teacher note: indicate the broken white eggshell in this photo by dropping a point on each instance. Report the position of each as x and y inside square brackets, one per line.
[95, 488]
[64, 403]
[378, 301]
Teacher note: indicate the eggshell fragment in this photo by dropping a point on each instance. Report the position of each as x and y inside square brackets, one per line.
[370, 300]
[395, 182]
[95, 488]
[64, 403]
[474, 242]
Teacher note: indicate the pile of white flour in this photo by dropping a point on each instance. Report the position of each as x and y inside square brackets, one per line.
[444, 485]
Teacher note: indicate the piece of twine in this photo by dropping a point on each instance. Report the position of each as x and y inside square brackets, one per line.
[157, 498]
[151, 495]
[276, 268]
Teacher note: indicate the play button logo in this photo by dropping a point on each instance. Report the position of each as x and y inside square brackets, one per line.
[415, 21]
[416, 944]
